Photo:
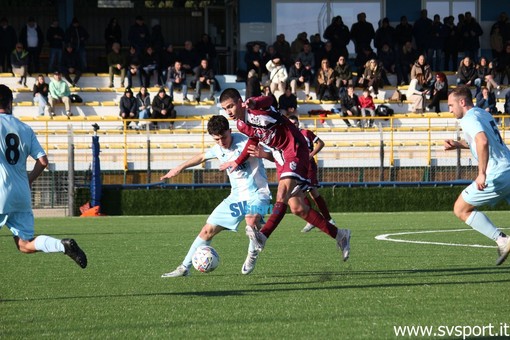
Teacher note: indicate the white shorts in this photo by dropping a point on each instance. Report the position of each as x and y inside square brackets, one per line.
[496, 190]
[231, 211]
[20, 224]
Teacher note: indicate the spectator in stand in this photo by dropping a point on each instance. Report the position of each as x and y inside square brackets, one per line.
[266, 91]
[253, 60]
[438, 92]
[343, 74]
[19, 63]
[485, 76]
[471, 33]
[157, 40]
[504, 64]
[388, 60]
[451, 44]
[326, 53]
[385, 34]
[507, 103]
[189, 57]
[139, 35]
[205, 77]
[32, 38]
[497, 43]
[268, 55]
[78, 36]
[339, 36]
[422, 67]
[143, 100]
[416, 93]
[116, 64]
[112, 34]
[403, 33]
[422, 29]
[163, 108]
[206, 49]
[55, 36]
[317, 44]
[149, 65]
[8, 41]
[326, 82]
[167, 59]
[277, 75]
[460, 26]
[252, 85]
[362, 59]
[435, 51]
[299, 76]
[71, 65]
[350, 106]
[362, 33]
[372, 77]
[405, 62]
[296, 46]
[486, 100]
[466, 74]
[287, 103]
[282, 47]
[128, 107]
[40, 92]
[177, 80]
[367, 108]
[59, 93]
[133, 66]
[307, 58]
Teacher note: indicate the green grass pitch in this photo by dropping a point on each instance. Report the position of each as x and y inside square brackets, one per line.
[300, 289]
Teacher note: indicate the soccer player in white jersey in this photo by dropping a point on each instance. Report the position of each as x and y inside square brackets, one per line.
[17, 142]
[249, 197]
[482, 137]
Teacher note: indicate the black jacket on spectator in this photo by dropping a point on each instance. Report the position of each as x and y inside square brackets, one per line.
[295, 73]
[128, 105]
[159, 104]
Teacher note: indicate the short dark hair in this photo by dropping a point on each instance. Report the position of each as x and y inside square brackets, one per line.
[217, 125]
[462, 92]
[5, 97]
[230, 93]
[294, 117]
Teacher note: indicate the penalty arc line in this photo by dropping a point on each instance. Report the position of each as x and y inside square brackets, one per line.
[386, 237]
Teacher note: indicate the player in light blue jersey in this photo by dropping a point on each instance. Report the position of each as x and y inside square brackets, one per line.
[482, 137]
[249, 197]
[17, 143]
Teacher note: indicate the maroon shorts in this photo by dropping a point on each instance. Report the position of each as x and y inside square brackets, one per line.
[293, 162]
[313, 174]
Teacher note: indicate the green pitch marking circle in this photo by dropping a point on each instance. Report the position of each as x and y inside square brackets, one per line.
[394, 238]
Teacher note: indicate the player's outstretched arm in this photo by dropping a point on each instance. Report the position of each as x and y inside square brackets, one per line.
[259, 152]
[40, 164]
[198, 159]
[232, 165]
[450, 144]
[317, 147]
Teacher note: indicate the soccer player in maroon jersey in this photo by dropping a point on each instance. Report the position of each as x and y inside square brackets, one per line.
[259, 121]
[315, 145]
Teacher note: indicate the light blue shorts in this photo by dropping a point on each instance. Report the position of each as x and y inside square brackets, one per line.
[496, 190]
[229, 213]
[20, 224]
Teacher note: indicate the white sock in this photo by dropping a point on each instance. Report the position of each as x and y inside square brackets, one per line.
[197, 243]
[251, 247]
[481, 223]
[48, 244]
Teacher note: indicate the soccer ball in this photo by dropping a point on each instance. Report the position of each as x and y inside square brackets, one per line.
[205, 259]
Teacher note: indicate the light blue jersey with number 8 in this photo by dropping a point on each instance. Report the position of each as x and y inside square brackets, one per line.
[17, 142]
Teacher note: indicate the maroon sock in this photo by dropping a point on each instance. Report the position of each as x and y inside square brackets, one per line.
[323, 208]
[320, 222]
[307, 201]
[279, 210]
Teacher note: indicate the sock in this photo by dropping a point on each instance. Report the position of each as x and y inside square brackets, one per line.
[320, 222]
[251, 247]
[48, 244]
[279, 210]
[307, 201]
[197, 243]
[323, 208]
[478, 221]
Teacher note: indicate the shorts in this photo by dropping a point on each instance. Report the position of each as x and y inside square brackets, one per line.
[496, 190]
[232, 211]
[293, 162]
[313, 174]
[21, 224]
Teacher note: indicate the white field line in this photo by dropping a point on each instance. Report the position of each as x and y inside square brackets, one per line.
[387, 237]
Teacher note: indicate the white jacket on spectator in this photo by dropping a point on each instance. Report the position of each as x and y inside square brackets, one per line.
[277, 75]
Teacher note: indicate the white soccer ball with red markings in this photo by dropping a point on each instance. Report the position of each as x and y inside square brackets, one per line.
[205, 259]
